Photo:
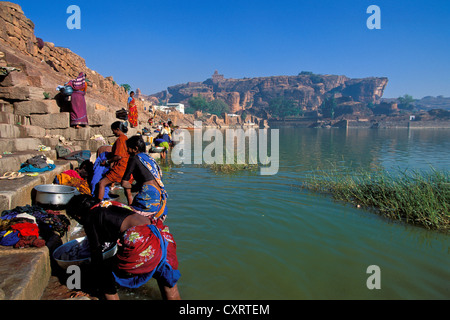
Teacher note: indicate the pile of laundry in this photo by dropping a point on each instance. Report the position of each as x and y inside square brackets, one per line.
[30, 226]
[38, 163]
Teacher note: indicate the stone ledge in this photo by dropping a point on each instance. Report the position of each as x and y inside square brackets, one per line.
[12, 162]
[14, 193]
[24, 273]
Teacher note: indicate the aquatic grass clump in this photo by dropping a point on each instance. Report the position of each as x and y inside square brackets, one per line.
[231, 168]
[419, 198]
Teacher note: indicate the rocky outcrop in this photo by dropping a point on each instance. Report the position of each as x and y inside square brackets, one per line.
[309, 90]
[31, 107]
[43, 64]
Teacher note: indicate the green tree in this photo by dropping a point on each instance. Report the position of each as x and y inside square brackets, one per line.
[328, 108]
[405, 102]
[198, 103]
[126, 86]
[244, 115]
[217, 107]
[282, 107]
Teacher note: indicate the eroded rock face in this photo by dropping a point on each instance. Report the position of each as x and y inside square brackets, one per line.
[43, 64]
[308, 90]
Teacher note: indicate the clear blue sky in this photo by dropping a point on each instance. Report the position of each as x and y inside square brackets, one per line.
[155, 44]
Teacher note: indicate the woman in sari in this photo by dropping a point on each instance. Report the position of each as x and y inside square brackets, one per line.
[146, 247]
[132, 111]
[117, 159]
[78, 113]
[150, 201]
[164, 139]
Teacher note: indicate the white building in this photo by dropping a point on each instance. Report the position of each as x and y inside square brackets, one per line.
[171, 106]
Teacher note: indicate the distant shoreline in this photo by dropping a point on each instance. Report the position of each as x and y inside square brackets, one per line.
[366, 124]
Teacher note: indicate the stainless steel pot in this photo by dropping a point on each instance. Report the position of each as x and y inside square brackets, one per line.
[54, 194]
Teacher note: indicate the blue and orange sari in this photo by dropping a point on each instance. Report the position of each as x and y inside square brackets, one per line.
[151, 201]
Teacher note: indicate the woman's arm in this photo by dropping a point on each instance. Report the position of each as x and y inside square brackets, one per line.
[126, 179]
[103, 276]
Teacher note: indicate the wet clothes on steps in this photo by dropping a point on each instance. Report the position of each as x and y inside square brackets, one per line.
[38, 163]
[16, 226]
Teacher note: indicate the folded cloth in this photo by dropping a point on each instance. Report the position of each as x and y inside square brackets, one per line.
[31, 168]
[27, 242]
[26, 229]
[10, 239]
[38, 161]
[26, 216]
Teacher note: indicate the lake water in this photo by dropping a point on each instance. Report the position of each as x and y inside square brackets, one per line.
[253, 237]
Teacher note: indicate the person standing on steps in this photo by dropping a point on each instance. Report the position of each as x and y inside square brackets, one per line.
[132, 111]
[78, 112]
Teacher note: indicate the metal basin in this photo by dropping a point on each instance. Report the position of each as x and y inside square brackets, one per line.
[64, 259]
[157, 149]
[54, 194]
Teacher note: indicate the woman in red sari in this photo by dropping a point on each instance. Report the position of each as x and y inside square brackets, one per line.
[132, 111]
[78, 113]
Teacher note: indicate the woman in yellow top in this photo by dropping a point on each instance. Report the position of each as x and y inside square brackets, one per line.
[117, 159]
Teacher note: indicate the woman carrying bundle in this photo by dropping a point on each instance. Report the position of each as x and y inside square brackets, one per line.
[78, 112]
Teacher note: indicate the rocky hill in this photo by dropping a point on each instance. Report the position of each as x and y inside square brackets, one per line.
[309, 90]
[429, 102]
[30, 105]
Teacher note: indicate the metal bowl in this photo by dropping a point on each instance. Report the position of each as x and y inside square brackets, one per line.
[157, 149]
[54, 194]
[67, 247]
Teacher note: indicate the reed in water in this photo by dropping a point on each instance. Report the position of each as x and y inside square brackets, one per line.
[417, 197]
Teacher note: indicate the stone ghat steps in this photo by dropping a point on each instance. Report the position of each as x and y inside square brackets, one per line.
[19, 192]
[25, 273]
[13, 162]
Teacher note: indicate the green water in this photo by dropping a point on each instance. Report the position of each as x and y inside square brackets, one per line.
[249, 236]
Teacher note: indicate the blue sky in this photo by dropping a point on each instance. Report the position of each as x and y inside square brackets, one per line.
[152, 45]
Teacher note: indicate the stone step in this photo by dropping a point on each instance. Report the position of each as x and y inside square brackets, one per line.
[23, 93]
[11, 118]
[18, 192]
[25, 273]
[13, 162]
[11, 131]
[27, 108]
[6, 117]
[17, 145]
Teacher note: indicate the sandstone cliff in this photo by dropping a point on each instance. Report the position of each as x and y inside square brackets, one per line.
[309, 90]
[31, 71]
